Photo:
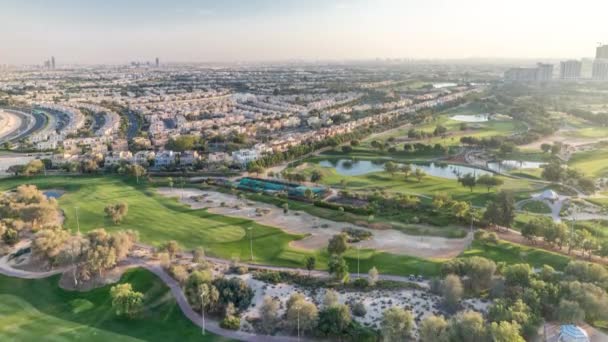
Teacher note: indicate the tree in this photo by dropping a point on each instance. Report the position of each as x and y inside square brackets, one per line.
[441, 199]
[468, 181]
[300, 311]
[338, 244]
[461, 209]
[505, 332]
[197, 284]
[467, 326]
[434, 328]
[338, 267]
[34, 167]
[553, 171]
[48, 243]
[285, 207]
[396, 324]
[489, 181]
[198, 255]
[372, 276]
[480, 271]
[10, 236]
[334, 321]
[452, 291]
[536, 227]
[501, 210]
[310, 261]
[235, 291]
[419, 174]
[171, 247]
[269, 315]
[517, 275]
[137, 171]
[316, 176]
[125, 301]
[179, 273]
[545, 147]
[390, 168]
[570, 312]
[406, 169]
[116, 212]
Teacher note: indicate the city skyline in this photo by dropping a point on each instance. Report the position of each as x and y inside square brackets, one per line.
[205, 31]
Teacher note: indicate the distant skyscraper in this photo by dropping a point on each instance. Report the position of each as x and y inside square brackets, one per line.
[600, 69]
[601, 52]
[570, 70]
[545, 72]
[157, 62]
[53, 62]
[542, 73]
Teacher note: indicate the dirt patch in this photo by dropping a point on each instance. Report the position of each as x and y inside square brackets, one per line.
[317, 231]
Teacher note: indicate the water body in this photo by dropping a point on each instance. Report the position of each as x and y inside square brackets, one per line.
[53, 193]
[471, 118]
[346, 167]
[444, 85]
[508, 165]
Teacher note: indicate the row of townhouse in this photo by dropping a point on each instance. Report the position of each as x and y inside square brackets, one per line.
[111, 123]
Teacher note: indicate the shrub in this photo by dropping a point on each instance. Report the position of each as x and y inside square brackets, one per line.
[360, 283]
[231, 322]
[358, 309]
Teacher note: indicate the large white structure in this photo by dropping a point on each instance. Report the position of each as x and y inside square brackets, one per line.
[570, 70]
[244, 157]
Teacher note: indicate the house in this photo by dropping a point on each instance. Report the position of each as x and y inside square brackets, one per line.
[188, 158]
[117, 157]
[219, 157]
[244, 156]
[165, 158]
[143, 157]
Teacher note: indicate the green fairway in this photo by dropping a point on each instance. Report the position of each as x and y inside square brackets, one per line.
[428, 186]
[38, 310]
[591, 163]
[537, 207]
[159, 219]
[511, 253]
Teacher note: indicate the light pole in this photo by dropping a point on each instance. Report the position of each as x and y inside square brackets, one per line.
[250, 229]
[358, 250]
[77, 222]
[203, 292]
[298, 311]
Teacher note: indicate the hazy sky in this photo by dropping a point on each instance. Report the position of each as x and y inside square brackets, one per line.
[117, 31]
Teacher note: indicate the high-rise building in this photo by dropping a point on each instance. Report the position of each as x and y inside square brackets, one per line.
[157, 62]
[601, 52]
[600, 69]
[570, 70]
[52, 62]
[545, 72]
[542, 73]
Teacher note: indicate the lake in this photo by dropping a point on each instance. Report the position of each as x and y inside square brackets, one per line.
[471, 118]
[346, 167]
[507, 165]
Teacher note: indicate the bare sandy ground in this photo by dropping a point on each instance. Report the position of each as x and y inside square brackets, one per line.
[9, 122]
[421, 303]
[317, 230]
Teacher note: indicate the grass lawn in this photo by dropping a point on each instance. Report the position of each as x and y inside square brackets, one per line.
[592, 163]
[511, 253]
[159, 219]
[428, 186]
[34, 310]
[537, 207]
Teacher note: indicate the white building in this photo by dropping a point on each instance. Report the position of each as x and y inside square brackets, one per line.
[244, 157]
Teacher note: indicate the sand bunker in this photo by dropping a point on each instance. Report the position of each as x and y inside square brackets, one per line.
[317, 230]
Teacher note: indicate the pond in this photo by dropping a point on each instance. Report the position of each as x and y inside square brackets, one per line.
[471, 117]
[508, 165]
[346, 167]
[53, 193]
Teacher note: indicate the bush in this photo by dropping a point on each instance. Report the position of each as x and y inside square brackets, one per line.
[231, 322]
[358, 309]
[360, 283]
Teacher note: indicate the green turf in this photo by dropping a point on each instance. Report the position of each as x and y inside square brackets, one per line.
[591, 163]
[38, 310]
[537, 207]
[511, 253]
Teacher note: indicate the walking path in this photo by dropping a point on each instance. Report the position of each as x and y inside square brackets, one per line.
[211, 325]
